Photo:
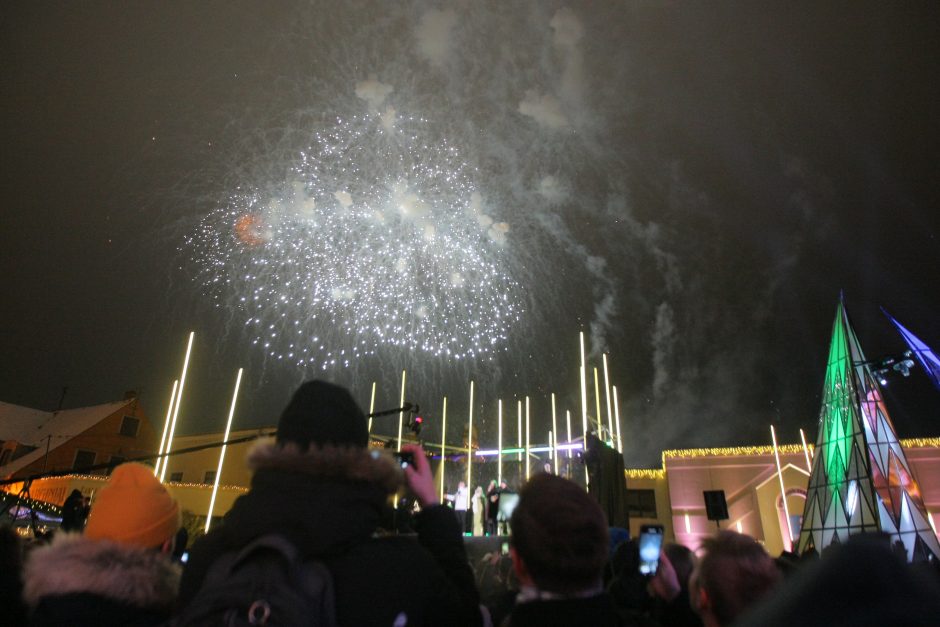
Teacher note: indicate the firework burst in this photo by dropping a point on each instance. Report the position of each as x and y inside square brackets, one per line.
[376, 238]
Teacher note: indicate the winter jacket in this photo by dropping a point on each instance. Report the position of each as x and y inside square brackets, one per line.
[328, 502]
[77, 581]
[597, 611]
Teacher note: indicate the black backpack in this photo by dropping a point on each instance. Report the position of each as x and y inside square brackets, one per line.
[264, 583]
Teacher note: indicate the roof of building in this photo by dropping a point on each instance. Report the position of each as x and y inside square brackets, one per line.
[34, 427]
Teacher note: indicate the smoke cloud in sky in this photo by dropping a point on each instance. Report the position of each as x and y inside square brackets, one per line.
[690, 186]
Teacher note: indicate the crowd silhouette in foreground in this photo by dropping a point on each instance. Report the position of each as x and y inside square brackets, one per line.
[313, 543]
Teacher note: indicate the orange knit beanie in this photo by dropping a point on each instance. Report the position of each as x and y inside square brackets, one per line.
[133, 508]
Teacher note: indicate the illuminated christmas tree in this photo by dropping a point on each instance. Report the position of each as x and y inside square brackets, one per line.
[861, 480]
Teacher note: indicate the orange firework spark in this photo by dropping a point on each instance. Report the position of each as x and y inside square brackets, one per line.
[248, 228]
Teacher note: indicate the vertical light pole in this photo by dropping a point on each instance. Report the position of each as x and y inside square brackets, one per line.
[228, 429]
[176, 410]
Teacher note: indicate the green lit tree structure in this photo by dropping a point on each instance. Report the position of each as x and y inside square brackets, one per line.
[861, 480]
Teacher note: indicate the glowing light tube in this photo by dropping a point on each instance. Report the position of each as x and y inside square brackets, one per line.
[401, 414]
[499, 445]
[519, 423]
[610, 416]
[443, 447]
[166, 428]
[788, 541]
[371, 406]
[528, 462]
[575, 446]
[617, 416]
[583, 389]
[597, 405]
[568, 421]
[228, 429]
[554, 452]
[554, 431]
[809, 464]
[176, 410]
[470, 445]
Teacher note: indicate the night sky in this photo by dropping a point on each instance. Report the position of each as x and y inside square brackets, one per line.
[690, 183]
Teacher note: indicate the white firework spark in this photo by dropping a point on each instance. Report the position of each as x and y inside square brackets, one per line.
[377, 238]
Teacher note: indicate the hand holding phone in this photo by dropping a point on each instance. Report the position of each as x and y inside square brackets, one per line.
[405, 458]
[418, 476]
[651, 544]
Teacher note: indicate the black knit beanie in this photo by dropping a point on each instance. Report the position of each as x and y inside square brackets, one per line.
[322, 413]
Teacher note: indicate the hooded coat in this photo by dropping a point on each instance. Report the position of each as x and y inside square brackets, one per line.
[328, 501]
[79, 581]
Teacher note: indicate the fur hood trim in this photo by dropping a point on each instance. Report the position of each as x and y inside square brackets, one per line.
[373, 466]
[73, 564]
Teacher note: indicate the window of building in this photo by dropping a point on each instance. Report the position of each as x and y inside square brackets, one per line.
[176, 477]
[210, 477]
[83, 459]
[116, 460]
[641, 503]
[129, 426]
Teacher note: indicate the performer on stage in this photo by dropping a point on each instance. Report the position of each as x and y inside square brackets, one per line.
[492, 508]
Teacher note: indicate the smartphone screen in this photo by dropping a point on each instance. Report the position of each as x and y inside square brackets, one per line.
[651, 543]
[405, 458]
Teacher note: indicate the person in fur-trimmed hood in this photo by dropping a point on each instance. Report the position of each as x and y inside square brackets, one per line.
[120, 571]
[320, 486]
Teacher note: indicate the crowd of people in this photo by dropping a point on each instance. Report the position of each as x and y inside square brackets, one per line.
[310, 544]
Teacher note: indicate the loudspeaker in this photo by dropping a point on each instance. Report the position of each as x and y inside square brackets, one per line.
[715, 505]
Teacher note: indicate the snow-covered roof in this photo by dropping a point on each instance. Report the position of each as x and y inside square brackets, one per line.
[32, 427]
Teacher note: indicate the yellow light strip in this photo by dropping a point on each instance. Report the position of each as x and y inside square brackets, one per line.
[644, 473]
[731, 451]
[176, 410]
[228, 429]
